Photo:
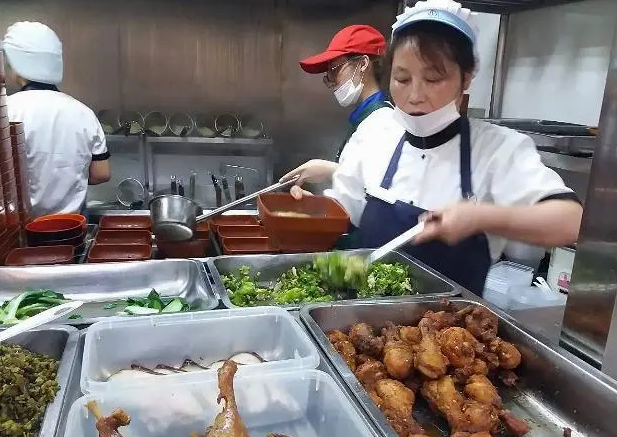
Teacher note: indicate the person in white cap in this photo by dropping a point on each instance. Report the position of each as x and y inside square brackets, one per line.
[65, 143]
[472, 183]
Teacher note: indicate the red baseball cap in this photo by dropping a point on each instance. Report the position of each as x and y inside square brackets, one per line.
[356, 39]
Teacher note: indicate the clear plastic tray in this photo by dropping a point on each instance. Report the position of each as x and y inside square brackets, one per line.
[204, 337]
[305, 403]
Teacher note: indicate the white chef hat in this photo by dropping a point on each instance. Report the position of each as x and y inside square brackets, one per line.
[34, 51]
[447, 12]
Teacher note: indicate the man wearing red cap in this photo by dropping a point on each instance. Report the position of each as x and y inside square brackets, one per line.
[351, 66]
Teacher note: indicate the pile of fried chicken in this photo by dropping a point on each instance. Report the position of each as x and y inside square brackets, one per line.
[447, 358]
[227, 423]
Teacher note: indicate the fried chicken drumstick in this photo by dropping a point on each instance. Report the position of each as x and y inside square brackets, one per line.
[107, 426]
[228, 422]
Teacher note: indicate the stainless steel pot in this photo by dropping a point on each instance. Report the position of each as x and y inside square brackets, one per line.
[174, 217]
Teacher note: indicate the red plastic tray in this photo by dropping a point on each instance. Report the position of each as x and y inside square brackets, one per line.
[125, 222]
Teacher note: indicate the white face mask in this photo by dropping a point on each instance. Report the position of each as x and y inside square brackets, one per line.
[428, 124]
[348, 93]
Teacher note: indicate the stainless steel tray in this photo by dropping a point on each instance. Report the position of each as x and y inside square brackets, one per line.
[271, 267]
[104, 286]
[59, 342]
[556, 389]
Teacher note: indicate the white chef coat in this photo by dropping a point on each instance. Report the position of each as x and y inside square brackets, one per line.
[506, 170]
[63, 136]
[377, 117]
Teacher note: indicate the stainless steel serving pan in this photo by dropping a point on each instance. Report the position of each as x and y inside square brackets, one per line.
[102, 286]
[59, 342]
[556, 390]
[427, 280]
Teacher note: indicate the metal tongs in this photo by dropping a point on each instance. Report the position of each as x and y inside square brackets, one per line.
[394, 244]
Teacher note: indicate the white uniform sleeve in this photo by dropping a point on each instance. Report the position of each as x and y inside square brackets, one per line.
[347, 181]
[520, 178]
[99, 144]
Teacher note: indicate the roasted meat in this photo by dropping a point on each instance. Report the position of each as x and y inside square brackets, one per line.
[107, 426]
[459, 346]
[398, 355]
[514, 425]
[397, 405]
[347, 351]
[370, 372]
[428, 359]
[481, 389]
[228, 422]
[410, 334]
[480, 322]
[463, 415]
[363, 338]
[337, 335]
[477, 367]
[508, 355]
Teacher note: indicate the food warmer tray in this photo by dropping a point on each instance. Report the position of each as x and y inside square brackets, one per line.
[271, 267]
[104, 286]
[59, 342]
[556, 390]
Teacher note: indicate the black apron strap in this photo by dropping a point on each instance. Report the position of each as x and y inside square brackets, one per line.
[370, 108]
[465, 158]
[386, 182]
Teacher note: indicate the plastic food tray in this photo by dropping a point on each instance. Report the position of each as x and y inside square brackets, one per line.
[305, 403]
[113, 345]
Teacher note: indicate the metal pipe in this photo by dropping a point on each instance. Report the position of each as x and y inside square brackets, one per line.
[499, 78]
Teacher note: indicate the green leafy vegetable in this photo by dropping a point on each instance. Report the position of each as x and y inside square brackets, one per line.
[320, 282]
[27, 385]
[28, 304]
[154, 304]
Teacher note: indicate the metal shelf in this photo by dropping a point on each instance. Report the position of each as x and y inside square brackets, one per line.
[509, 6]
[217, 140]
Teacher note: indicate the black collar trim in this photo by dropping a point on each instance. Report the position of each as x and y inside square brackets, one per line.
[435, 140]
[32, 85]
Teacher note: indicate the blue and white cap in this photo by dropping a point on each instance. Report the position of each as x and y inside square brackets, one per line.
[447, 12]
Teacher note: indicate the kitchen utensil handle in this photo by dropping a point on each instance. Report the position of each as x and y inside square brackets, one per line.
[181, 188]
[226, 188]
[40, 319]
[245, 199]
[394, 244]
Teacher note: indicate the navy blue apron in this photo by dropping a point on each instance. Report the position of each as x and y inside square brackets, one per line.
[466, 263]
[32, 85]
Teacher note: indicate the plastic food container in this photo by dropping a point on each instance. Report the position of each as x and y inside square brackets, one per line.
[202, 231]
[247, 245]
[204, 337]
[125, 222]
[502, 280]
[241, 231]
[319, 232]
[525, 298]
[183, 249]
[233, 220]
[299, 404]
[119, 252]
[29, 256]
[110, 236]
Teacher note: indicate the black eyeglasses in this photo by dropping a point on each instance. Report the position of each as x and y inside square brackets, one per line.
[330, 76]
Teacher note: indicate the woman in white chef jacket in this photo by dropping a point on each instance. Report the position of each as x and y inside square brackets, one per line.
[65, 143]
[474, 184]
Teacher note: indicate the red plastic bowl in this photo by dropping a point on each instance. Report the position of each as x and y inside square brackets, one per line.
[53, 230]
[77, 217]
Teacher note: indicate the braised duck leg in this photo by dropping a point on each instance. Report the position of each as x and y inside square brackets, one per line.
[228, 422]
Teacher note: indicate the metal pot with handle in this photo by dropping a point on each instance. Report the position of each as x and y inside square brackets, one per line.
[174, 217]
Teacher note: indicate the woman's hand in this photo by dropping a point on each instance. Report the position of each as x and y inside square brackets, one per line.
[298, 193]
[453, 224]
[315, 170]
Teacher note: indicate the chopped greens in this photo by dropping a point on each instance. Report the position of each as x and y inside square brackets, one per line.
[153, 304]
[320, 282]
[28, 304]
[27, 385]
